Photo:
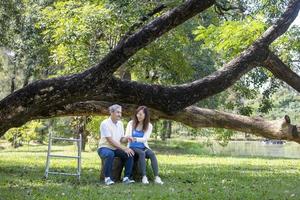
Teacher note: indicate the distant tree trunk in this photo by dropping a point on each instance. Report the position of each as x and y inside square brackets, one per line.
[81, 129]
[169, 129]
[155, 129]
[16, 142]
[13, 79]
[41, 136]
[164, 130]
[13, 85]
[28, 74]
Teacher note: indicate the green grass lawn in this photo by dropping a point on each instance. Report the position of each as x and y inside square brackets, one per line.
[186, 169]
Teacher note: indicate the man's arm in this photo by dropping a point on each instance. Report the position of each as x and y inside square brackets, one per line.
[105, 133]
[126, 139]
[121, 147]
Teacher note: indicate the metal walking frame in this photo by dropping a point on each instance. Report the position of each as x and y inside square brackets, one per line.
[78, 157]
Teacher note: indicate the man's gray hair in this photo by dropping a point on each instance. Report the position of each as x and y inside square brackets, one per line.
[114, 107]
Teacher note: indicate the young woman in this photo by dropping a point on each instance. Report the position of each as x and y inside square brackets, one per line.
[139, 130]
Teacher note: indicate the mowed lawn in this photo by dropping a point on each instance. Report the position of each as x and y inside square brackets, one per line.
[188, 173]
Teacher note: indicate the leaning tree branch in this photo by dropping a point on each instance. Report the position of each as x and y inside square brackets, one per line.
[282, 71]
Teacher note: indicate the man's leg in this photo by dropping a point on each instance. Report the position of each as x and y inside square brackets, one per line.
[108, 156]
[128, 160]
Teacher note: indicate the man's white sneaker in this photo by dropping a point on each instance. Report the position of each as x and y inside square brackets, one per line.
[158, 180]
[126, 180]
[108, 181]
[145, 180]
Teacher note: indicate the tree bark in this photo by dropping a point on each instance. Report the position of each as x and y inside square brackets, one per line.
[282, 71]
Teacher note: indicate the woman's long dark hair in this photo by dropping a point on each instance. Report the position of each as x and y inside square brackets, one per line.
[146, 120]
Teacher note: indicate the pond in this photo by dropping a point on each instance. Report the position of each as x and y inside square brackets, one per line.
[257, 148]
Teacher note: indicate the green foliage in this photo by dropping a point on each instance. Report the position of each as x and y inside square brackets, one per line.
[94, 125]
[270, 9]
[26, 133]
[223, 135]
[73, 31]
[287, 47]
[62, 127]
[165, 61]
[285, 101]
[231, 37]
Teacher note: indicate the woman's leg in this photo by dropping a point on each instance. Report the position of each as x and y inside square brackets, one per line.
[154, 164]
[142, 161]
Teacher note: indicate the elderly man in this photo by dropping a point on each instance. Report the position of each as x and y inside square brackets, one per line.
[112, 134]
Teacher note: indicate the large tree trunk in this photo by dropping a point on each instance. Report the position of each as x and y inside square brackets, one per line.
[55, 97]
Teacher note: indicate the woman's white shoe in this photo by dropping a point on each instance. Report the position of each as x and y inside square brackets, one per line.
[158, 180]
[145, 180]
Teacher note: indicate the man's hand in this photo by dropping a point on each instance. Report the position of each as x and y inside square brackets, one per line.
[129, 139]
[129, 151]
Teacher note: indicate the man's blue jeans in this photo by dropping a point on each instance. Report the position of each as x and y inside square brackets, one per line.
[108, 155]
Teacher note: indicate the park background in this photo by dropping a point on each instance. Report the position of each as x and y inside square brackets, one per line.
[46, 39]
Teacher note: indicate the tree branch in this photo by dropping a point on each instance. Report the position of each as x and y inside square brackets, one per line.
[282, 71]
[281, 25]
